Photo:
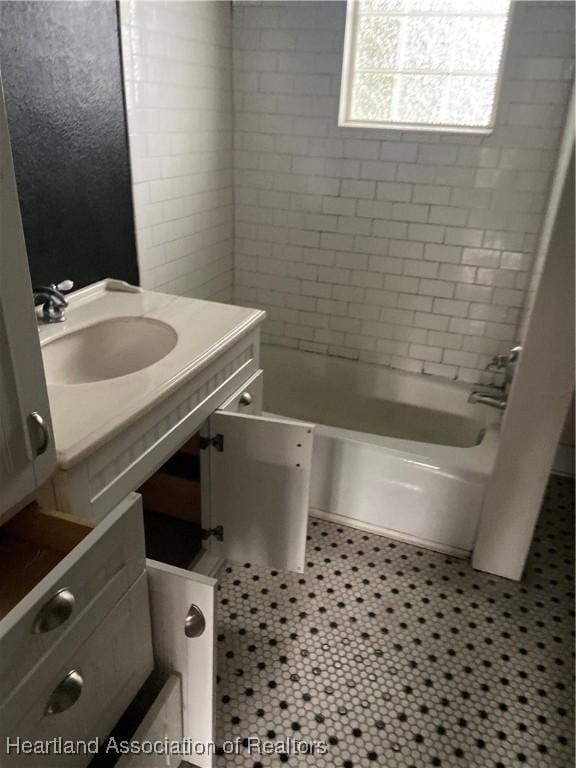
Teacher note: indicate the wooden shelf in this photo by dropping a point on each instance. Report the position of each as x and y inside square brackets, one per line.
[173, 496]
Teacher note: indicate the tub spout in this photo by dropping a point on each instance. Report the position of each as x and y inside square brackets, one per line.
[495, 401]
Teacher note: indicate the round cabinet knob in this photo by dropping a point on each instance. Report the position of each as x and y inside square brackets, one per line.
[195, 623]
[245, 399]
[66, 693]
[55, 612]
[42, 433]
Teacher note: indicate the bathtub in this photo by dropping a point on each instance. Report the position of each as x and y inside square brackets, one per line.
[400, 454]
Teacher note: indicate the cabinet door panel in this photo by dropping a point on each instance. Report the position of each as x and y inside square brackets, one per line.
[259, 489]
[163, 723]
[26, 460]
[173, 592]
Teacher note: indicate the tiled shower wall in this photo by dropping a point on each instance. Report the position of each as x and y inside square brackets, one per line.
[177, 70]
[548, 222]
[405, 249]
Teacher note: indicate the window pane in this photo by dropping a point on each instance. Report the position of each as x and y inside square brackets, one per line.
[378, 42]
[370, 6]
[485, 6]
[421, 98]
[469, 100]
[437, 6]
[426, 62]
[372, 99]
[428, 43]
[478, 44]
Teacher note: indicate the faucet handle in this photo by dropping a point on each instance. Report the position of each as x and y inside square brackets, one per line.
[64, 286]
[498, 362]
[52, 300]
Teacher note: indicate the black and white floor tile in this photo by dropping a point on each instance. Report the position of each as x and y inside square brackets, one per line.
[400, 657]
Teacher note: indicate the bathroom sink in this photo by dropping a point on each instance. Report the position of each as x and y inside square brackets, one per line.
[107, 350]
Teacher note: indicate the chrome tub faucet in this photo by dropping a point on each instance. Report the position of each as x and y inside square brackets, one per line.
[485, 398]
[497, 397]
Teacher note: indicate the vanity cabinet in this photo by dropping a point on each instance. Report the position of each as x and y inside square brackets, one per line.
[84, 617]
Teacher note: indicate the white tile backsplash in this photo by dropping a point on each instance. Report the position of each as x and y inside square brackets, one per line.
[177, 67]
[409, 249]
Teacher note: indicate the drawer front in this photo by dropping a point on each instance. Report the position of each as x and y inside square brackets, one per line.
[162, 723]
[89, 580]
[248, 398]
[88, 691]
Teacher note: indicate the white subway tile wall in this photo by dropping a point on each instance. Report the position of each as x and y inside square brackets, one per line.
[408, 249]
[177, 69]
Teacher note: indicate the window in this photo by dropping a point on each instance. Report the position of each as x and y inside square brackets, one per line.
[423, 64]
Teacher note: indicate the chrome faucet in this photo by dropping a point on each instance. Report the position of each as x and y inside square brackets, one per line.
[53, 302]
[497, 397]
[485, 398]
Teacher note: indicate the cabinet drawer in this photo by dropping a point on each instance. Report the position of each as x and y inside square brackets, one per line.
[86, 692]
[162, 723]
[248, 398]
[54, 571]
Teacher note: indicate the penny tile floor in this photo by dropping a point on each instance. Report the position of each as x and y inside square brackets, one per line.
[400, 657]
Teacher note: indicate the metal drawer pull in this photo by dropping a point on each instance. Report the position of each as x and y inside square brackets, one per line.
[195, 623]
[66, 693]
[55, 612]
[245, 399]
[44, 442]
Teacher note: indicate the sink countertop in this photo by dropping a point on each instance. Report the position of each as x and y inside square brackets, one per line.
[85, 416]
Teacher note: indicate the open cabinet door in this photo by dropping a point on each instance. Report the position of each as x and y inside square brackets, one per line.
[182, 608]
[27, 454]
[259, 488]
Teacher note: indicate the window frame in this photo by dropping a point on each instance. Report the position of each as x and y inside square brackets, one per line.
[345, 100]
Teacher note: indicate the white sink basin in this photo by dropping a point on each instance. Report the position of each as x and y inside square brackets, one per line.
[107, 349]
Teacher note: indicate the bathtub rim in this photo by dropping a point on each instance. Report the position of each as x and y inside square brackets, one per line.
[475, 462]
[438, 386]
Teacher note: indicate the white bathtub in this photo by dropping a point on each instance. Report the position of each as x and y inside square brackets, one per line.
[397, 453]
